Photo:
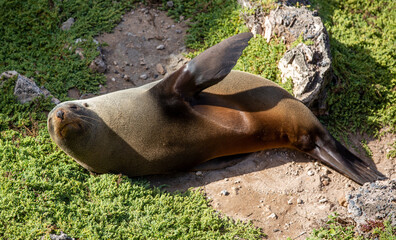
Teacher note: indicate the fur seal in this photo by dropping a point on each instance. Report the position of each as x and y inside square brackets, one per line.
[202, 111]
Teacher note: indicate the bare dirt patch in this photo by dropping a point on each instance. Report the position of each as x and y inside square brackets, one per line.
[282, 191]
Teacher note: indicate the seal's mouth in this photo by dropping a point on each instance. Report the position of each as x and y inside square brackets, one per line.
[67, 128]
[64, 122]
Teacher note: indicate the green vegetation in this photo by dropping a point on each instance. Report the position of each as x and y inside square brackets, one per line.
[42, 190]
[337, 229]
[362, 38]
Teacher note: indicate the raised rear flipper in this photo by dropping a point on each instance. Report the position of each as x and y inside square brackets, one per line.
[205, 70]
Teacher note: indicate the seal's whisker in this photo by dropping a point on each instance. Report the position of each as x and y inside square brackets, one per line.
[86, 117]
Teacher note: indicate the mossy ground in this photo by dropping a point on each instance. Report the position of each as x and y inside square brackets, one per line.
[43, 191]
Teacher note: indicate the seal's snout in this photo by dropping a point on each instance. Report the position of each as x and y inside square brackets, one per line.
[60, 114]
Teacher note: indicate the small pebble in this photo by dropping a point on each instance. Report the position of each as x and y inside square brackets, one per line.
[342, 201]
[178, 31]
[160, 69]
[126, 77]
[323, 200]
[273, 216]
[300, 201]
[290, 202]
[143, 76]
[161, 47]
[224, 193]
[325, 182]
[198, 173]
[115, 63]
[310, 173]
[226, 179]
[237, 181]
[113, 79]
[326, 170]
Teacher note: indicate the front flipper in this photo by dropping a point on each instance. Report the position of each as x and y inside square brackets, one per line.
[205, 70]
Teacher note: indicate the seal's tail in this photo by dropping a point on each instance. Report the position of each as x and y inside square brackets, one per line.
[333, 153]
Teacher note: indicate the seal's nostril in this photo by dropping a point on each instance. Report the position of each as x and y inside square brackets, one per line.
[60, 114]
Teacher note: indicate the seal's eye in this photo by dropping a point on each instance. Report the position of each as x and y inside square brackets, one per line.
[85, 104]
[73, 106]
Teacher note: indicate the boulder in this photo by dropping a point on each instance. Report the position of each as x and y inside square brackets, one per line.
[373, 202]
[308, 65]
[26, 89]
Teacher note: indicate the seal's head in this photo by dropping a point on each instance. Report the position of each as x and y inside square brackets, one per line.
[71, 124]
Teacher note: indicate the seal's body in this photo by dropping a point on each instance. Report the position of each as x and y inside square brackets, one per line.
[200, 112]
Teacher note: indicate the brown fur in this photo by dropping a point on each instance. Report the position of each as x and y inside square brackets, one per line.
[172, 124]
[238, 115]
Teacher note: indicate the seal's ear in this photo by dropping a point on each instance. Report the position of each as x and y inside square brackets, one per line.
[207, 69]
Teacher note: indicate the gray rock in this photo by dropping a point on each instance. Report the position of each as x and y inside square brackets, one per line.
[144, 76]
[26, 89]
[169, 4]
[253, 21]
[8, 74]
[294, 2]
[68, 24]
[98, 64]
[161, 47]
[61, 236]
[308, 66]
[373, 201]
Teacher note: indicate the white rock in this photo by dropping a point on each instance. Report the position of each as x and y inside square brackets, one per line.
[224, 193]
[143, 76]
[323, 200]
[161, 47]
